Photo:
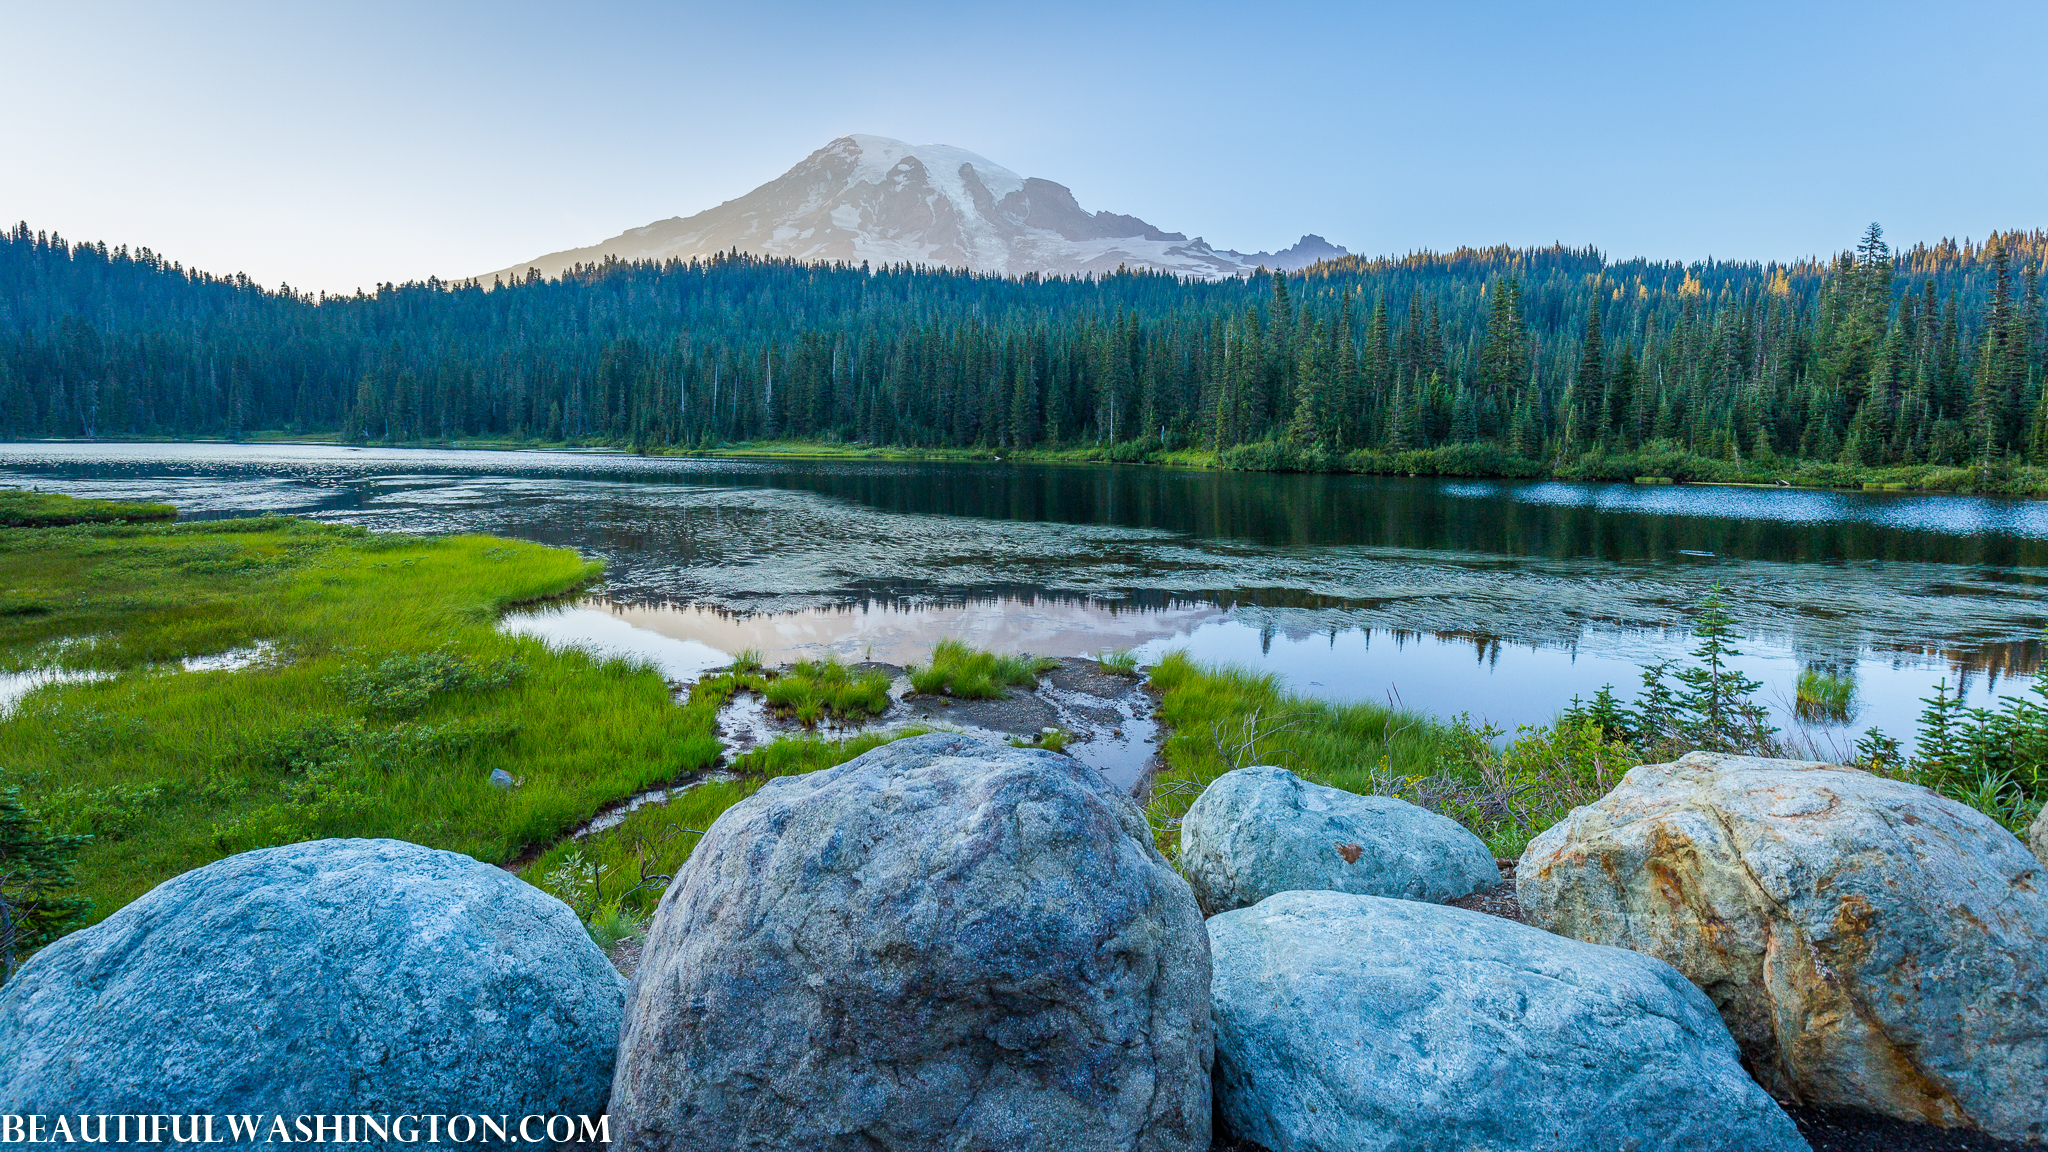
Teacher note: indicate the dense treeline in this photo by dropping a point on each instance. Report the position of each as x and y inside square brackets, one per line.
[1934, 355]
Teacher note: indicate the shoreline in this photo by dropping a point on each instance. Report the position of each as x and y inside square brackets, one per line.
[2016, 482]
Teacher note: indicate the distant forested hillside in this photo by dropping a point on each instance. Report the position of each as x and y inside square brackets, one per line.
[1536, 357]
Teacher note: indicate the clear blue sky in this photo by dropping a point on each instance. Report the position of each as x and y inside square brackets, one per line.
[333, 145]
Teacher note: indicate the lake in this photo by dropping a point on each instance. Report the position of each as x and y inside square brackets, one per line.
[1502, 599]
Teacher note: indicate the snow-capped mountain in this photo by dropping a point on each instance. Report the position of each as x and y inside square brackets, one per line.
[869, 198]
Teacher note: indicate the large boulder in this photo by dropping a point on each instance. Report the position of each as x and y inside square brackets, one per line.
[1257, 831]
[941, 944]
[331, 977]
[1358, 1023]
[1871, 945]
[2037, 836]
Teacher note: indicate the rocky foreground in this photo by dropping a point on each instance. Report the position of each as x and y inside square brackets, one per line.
[952, 944]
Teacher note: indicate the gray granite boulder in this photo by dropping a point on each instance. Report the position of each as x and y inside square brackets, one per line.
[1363, 1024]
[336, 976]
[1871, 945]
[941, 944]
[1257, 831]
[2037, 837]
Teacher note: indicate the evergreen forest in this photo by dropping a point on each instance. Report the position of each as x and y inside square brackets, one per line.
[1485, 361]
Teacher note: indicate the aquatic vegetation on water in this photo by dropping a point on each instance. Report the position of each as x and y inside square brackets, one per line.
[958, 670]
[1823, 696]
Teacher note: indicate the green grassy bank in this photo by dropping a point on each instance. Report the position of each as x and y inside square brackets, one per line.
[19, 509]
[382, 699]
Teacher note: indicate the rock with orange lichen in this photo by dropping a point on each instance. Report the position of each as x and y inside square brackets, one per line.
[1869, 943]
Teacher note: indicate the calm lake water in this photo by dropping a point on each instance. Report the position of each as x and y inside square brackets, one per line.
[1501, 599]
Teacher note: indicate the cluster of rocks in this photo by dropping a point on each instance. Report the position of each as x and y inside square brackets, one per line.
[952, 944]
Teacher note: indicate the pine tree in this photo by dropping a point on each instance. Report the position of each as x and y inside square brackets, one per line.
[35, 871]
[1586, 407]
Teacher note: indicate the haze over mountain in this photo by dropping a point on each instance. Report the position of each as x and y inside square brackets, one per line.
[873, 199]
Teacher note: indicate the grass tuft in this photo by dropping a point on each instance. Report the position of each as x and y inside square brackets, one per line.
[812, 689]
[1823, 696]
[960, 671]
[1052, 740]
[1118, 662]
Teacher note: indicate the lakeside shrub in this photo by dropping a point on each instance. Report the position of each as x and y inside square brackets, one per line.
[1225, 718]
[401, 685]
[1993, 759]
[960, 671]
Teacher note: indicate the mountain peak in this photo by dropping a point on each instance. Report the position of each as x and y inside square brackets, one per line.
[885, 201]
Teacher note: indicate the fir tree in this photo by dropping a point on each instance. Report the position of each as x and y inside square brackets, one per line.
[35, 871]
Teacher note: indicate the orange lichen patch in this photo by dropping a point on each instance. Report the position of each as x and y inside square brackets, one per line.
[1904, 1082]
[1850, 942]
[1350, 852]
[1674, 860]
[1854, 915]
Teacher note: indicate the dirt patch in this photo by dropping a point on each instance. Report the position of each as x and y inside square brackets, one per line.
[1832, 1130]
[625, 956]
[1499, 901]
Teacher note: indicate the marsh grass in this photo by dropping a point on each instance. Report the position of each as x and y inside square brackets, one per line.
[961, 671]
[811, 690]
[391, 697]
[1824, 697]
[20, 509]
[630, 864]
[1118, 661]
